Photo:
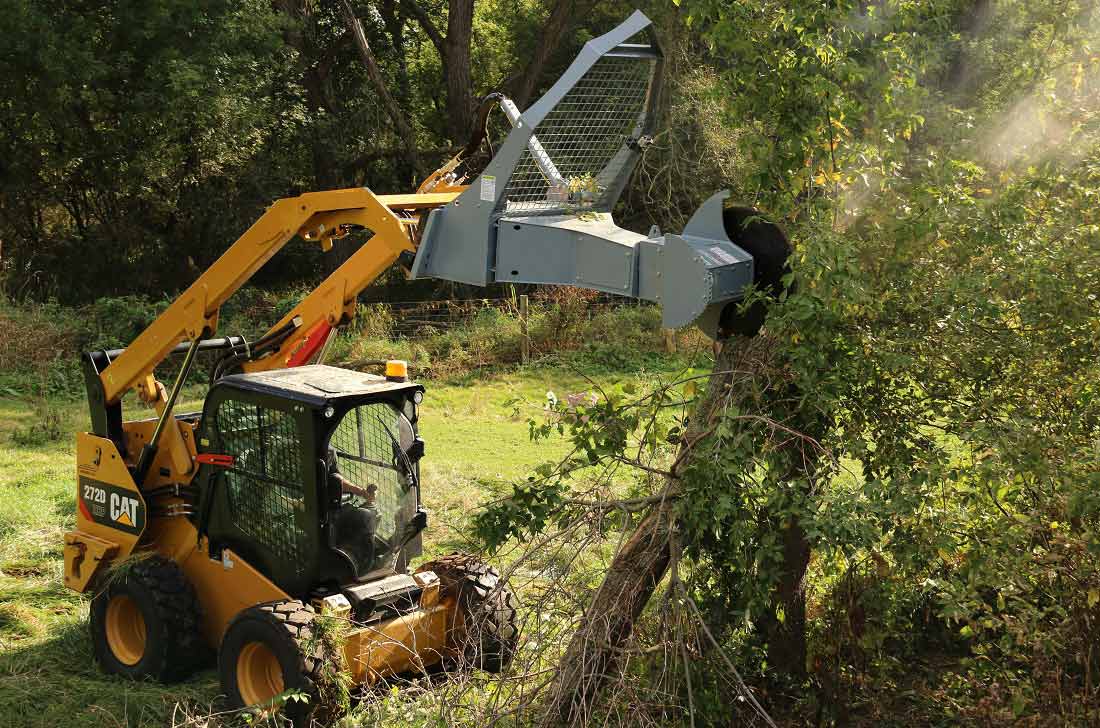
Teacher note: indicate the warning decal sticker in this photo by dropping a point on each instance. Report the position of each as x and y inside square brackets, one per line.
[722, 256]
[488, 188]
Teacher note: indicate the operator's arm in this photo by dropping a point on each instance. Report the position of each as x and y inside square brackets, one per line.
[351, 488]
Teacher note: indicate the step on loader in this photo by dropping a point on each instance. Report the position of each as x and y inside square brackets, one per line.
[292, 502]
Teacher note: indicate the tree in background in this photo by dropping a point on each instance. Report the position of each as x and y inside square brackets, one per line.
[114, 117]
[142, 138]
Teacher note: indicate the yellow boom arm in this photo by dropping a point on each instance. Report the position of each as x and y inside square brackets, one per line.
[334, 299]
[127, 458]
[315, 216]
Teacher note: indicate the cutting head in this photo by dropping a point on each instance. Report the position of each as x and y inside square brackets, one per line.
[540, 212]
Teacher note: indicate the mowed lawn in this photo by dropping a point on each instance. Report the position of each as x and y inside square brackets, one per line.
[47, 674]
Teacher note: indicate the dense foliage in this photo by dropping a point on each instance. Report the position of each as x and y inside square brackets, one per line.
[910, 467]
[944, 329]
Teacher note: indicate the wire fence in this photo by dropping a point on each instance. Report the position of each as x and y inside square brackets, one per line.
[414, 319]
[519, 326]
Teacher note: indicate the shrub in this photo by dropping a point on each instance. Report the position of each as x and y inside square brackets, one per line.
[110, 323]
[45, 428]
[40, 344]
[566, 311]
[32, 336]
[286, 302]
[248, 312]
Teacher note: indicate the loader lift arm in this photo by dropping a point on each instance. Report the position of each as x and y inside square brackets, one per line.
[315, 217]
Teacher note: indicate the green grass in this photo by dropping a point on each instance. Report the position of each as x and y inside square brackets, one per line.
[47, 674]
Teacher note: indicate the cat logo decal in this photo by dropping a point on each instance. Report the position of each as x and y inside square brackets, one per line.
[111, 506]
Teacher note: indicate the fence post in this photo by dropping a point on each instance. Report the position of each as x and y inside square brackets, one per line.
[524, 337]
[670, 341]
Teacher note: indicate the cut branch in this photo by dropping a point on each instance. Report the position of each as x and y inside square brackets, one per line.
[638, 567]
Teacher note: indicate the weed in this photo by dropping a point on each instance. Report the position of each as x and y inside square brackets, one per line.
[45, 428]
[122, 568]
[326, 640]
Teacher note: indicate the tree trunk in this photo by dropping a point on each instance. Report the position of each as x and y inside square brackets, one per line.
[787, 638]
[454, 56]
[456, 69]
[640, 565]
[635, 572]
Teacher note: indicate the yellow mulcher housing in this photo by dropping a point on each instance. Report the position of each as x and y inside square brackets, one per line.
[295, 493]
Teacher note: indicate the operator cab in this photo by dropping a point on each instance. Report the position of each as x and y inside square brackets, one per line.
[320, 488]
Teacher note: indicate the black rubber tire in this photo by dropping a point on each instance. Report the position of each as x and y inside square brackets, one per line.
[770, 250]
[482, 632]
[285, 628]
[174, 647]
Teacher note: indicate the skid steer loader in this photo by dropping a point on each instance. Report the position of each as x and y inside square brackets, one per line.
[294, 495]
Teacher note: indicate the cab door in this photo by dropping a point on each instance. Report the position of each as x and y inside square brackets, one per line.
[264, 505]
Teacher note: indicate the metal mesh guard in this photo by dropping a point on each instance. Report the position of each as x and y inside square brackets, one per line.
[364, 446]
[584, 135]
[265, 491]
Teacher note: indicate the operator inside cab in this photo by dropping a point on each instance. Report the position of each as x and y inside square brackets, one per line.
[369, 471]
[357, 519]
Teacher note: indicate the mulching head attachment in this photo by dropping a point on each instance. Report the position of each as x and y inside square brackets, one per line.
[540, 212]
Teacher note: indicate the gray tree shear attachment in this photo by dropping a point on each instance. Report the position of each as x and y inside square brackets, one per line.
[540, 212]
